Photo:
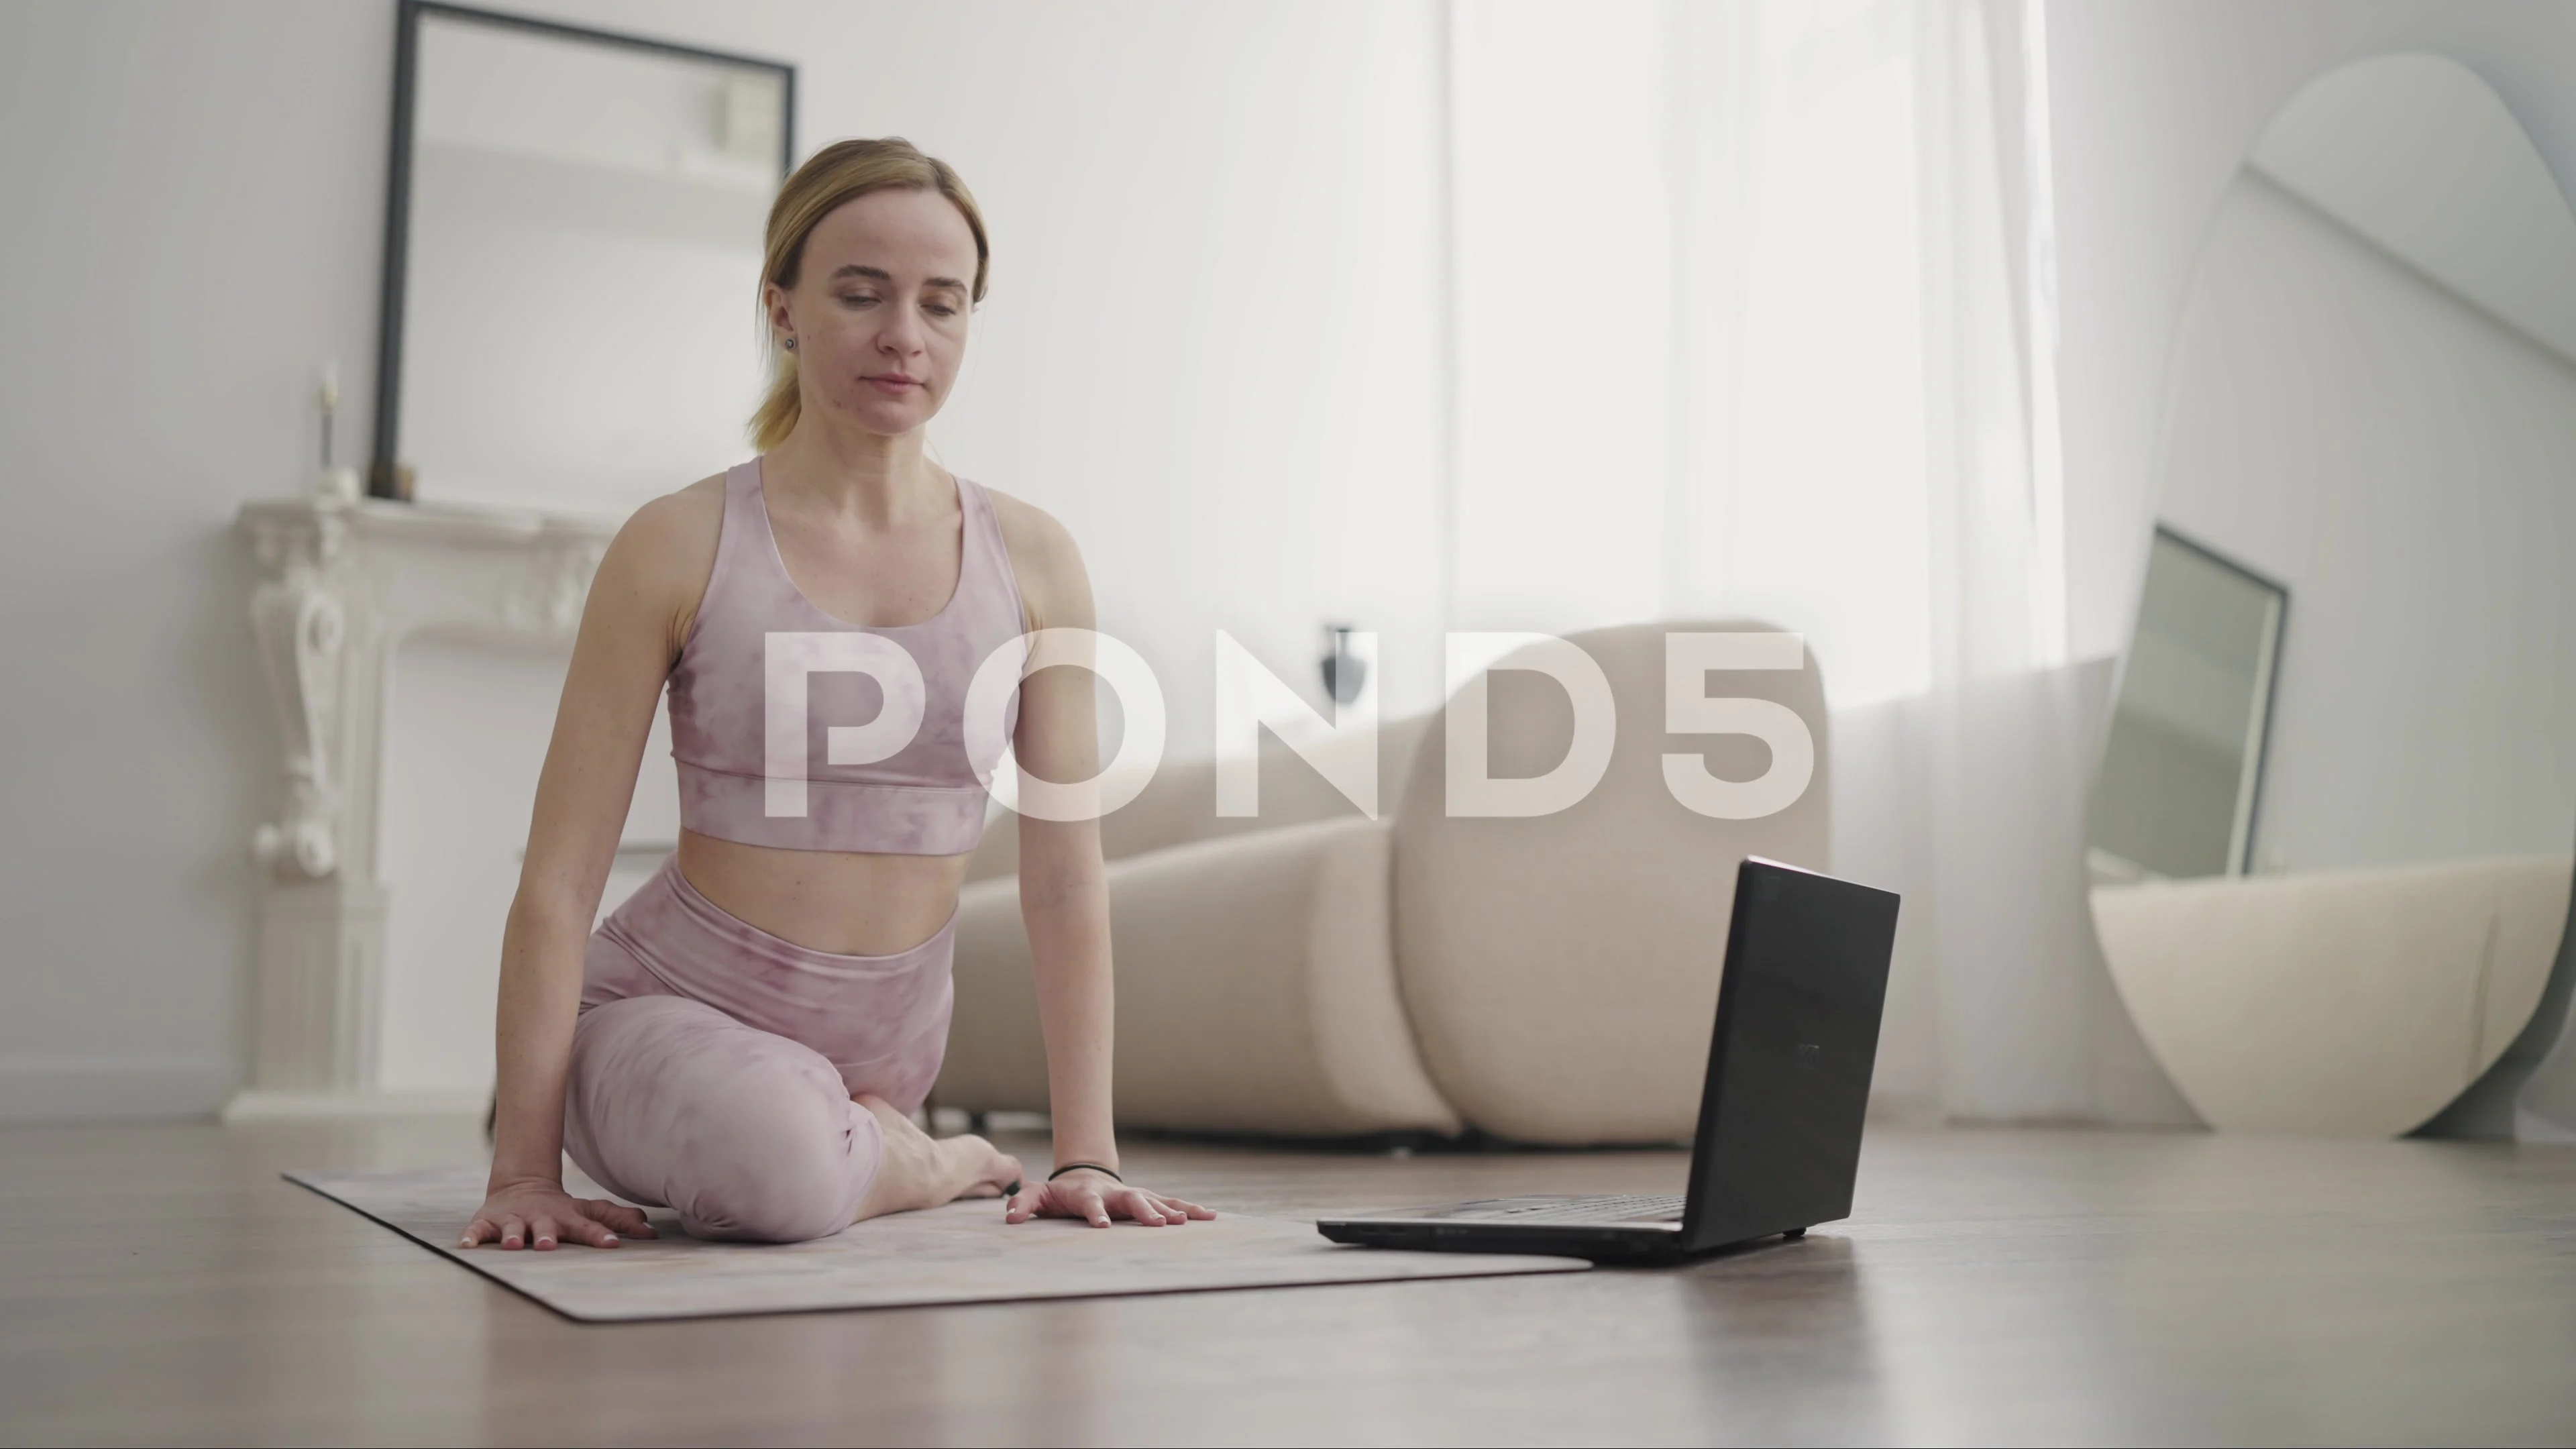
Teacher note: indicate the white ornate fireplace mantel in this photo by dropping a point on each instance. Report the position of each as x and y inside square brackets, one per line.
[342, 584]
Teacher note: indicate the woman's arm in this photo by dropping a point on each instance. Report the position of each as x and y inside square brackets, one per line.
[1064, 899]
[647, 586]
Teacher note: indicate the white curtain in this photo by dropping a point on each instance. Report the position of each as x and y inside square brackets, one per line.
[1755, 316]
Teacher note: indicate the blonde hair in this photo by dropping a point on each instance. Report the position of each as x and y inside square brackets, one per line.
[841, 172]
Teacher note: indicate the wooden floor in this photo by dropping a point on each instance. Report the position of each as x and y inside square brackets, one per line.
[159, 1284]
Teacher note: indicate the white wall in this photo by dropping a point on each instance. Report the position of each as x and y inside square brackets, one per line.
[188, 207]
[1212, 348]
[2406, 466]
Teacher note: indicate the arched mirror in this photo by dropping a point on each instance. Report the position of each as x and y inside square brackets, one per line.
[2331, 836]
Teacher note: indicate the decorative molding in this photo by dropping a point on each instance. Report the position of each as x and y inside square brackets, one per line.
[343, 582]
[548, 600]
[300, 624]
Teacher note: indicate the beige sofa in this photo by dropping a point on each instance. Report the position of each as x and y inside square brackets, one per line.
[2355, 1001]
[1312, 972]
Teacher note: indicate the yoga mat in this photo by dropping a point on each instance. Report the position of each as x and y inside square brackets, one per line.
[961, 1253]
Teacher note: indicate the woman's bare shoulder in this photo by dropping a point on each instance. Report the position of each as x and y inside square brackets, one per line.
[1036, 537]
[679, 517]
[1047, 561]
[665, 551]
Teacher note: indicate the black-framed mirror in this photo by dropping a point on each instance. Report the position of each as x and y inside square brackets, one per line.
[2182, 773]
[573, 223]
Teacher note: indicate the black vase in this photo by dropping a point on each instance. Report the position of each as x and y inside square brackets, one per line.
[1344, 673]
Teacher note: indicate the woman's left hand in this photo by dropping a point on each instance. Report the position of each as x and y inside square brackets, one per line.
[1097, 1198]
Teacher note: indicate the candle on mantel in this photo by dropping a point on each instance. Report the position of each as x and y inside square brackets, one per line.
[340, 484]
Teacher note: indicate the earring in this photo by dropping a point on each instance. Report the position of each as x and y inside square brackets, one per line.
[789, 344]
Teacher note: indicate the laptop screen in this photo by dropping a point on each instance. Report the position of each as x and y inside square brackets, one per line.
[1788, 1071]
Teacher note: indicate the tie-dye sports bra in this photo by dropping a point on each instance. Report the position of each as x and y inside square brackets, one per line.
[792, 728]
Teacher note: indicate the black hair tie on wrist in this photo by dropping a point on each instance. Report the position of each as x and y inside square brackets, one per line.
[1081, 1166]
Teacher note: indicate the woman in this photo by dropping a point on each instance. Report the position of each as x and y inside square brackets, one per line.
[746, 1037]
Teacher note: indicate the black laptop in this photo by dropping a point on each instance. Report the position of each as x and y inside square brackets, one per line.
[1779, 1119]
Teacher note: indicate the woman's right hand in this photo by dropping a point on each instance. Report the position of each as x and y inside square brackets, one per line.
[537, 1214]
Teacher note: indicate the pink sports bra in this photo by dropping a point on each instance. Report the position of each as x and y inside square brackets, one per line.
[792, 728]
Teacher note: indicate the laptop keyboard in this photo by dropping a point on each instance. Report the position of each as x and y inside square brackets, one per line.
[1634, 1207]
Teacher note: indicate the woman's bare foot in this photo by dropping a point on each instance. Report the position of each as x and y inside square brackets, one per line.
[920, 1170]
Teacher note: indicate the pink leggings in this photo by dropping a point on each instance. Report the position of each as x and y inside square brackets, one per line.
[713, 1064]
